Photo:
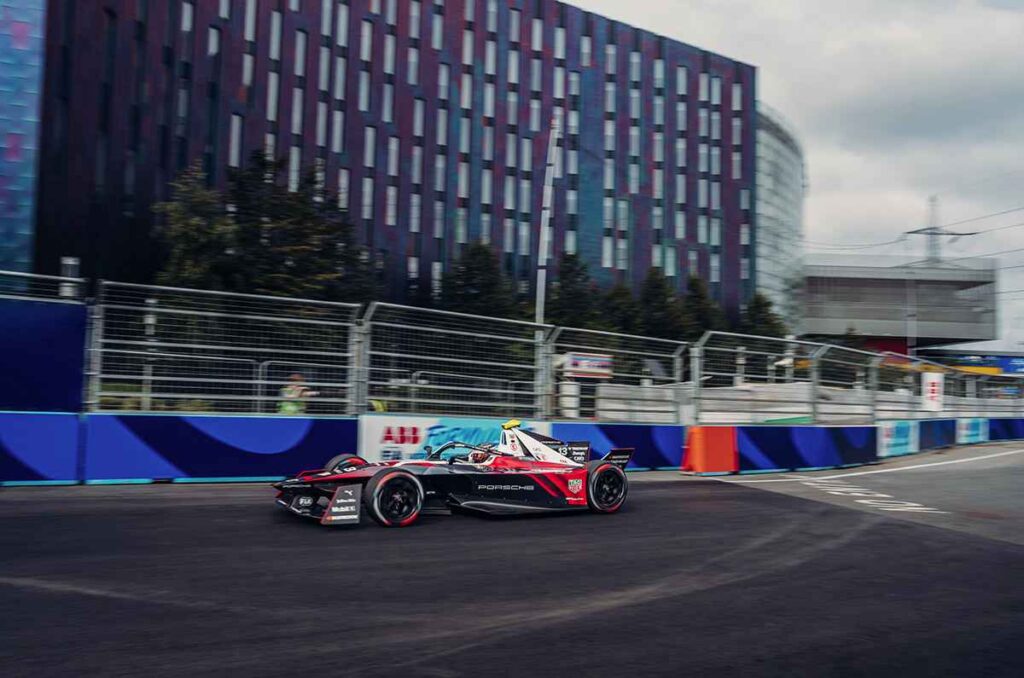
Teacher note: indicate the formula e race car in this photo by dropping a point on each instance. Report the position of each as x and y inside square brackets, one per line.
[524, 473]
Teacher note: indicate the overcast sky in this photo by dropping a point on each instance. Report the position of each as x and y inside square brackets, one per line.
[894, 100]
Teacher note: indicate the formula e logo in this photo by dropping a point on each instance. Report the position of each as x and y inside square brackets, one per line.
[575, 485]
[401, 435]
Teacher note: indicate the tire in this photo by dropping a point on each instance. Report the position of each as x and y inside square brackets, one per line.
[606, 487]
[394, 498]
[336, 461]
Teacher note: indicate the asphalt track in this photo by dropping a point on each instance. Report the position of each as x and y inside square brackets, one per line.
[694, 577]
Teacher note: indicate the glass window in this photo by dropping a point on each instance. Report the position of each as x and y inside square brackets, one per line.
[436, 31]
[634, 66]
[470, 7]
[737, 165]
[439, 170]
[326, 9]
[393, 148]
[212, 41]
[534, 115]
[524, 238]
[367, 198]
[414, 19]
[538, 35]
[389, 54]
[248, 66]
[369, 146]
[570, 242]
[737, 96]
[681, 116]
[716, 91]
[391, 206]
[692, 260]
[467, 48]
[417, 165]
[414, 66]
[442, 81]
[490, 57]
[716, 272]
[559, 42]
[744, 234]
[492, 15]
[702, 229]
[294, 168]
[621, 254]
[609, 175]
[680, 225]
[387, 103]
[273, 83]
[606, 252]
[275, 36]
[235, 143]
[680, 152]
[737, 131]
[716, 125]
[438, 230]
[536, 72]
[366, 41]
[337, 131]
[488, 100]
[609, 59]
[250, 20]
[300, 54]
[321, 124]
[514, 25]
[609, 97]
[467, 91]
[339, 78]
[703, 89]
[442, 127]
[417, 118]
[659, 72]
[463, 180]
[187, 13]
[343, 178]
[341, 25]
[364, 91]
[513, 108]
[324, 74]
[682, 77]
[464, 136]
[609, 135]
[586, 51]
[680, 189]
[415, 212]
[485, 187]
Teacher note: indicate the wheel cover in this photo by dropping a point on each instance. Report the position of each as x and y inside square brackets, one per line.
[399, 499]
[609, 488]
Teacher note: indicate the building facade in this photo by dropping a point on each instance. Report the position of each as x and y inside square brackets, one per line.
[900, 304]
[781, 186]
[427, 120]
[22, 24]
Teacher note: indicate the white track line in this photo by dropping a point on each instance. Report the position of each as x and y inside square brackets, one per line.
[883, 470]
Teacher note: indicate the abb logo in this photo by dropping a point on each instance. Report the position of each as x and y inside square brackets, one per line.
[401, 435]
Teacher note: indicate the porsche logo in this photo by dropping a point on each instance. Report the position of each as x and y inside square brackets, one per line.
[575, 485]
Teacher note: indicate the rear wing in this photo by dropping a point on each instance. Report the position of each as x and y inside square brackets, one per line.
[620, 457]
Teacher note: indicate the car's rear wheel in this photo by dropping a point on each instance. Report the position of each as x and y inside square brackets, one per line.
[339, 460]
[394, 498]
[607, 487]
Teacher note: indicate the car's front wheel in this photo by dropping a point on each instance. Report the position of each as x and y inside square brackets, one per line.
[393, 498]
[607, 487]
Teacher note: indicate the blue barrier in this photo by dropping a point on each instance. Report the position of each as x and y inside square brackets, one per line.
[935, 433]
[38, 448]
[1006, 429]
[658, 446]
[42, 361]
[210, 447]
[780, 448]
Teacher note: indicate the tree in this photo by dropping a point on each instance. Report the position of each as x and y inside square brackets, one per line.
[620, 310]
[477, 285]
[573, 296]
[261, 238]
[661, 314]
[700, 312]
[760, 318]
[198, 236]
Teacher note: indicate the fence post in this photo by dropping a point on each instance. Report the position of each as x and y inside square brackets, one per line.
[95, 366]
[696, 372]
[816, 380]
[360, 367]
[741, 366]
[545, 393]
[678, 367]
[873, 384]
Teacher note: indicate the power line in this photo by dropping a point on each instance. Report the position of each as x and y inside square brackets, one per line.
[839, 246]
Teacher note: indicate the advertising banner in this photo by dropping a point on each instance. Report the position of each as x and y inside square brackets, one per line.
[971, 431]
[897, 438]
[932, 391]
[390, 437]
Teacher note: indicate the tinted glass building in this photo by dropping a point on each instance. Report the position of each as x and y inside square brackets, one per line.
[21, 78]
[781, 186]
[428, 120]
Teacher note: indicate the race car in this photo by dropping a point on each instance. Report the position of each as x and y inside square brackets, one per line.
[524, 473]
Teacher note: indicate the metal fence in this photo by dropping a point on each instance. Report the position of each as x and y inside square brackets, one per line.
[35, 287]
[162, 349]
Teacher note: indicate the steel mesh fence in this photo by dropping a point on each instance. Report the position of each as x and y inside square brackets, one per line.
[439, 362]
[160, 348]
[616, 377]
[35, 287]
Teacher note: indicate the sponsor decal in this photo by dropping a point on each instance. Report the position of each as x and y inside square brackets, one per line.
[932, 391]
[575, 485]
[579, 452]
[971, 431]
[392, 437]
[898, 438]
[344, 506]
[305, 501]
[506, 488]
[588, 365]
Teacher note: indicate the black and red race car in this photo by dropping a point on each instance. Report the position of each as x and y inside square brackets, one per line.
[525, 473]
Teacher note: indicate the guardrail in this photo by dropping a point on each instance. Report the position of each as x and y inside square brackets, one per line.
[165, 349]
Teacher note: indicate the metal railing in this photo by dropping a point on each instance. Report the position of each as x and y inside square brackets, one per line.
[160, 349]
[164, 348]
[36, 287]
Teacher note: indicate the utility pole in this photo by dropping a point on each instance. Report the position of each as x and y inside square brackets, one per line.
[933, 249]
[545, 216]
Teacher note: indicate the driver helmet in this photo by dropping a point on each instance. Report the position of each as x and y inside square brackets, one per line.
[478, 457]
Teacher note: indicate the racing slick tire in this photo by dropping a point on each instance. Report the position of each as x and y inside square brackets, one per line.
[336, 461]
[394, 498]
[606, 487]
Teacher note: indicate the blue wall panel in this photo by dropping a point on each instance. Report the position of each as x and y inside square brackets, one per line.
[770, 448]
[38, 446]
[656, 445]
[159, 446]
[42, 346]
[937, 433]
[1006, 429]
